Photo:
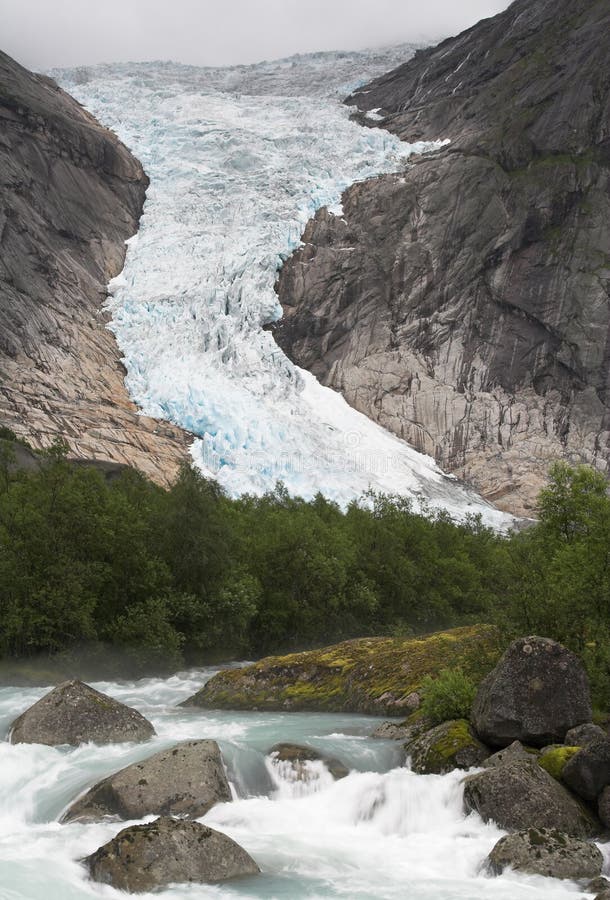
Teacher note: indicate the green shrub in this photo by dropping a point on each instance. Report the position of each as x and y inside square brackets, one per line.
[448, 696]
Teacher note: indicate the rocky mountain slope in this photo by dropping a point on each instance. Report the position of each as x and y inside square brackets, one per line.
[70, 195]
[465, 303]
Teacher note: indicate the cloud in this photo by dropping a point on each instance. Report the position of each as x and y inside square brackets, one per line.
[46, 33]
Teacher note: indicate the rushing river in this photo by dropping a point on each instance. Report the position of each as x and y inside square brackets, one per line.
[381, 833]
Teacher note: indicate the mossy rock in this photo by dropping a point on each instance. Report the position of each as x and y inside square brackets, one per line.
[366, 675]
[450, 745]
[554, 760]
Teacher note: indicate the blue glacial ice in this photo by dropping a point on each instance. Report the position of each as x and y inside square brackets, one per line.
[239, 159]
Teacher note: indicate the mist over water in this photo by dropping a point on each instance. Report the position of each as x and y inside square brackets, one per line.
[381, 833]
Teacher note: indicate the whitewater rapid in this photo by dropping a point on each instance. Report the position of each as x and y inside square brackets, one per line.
[239, 159]
[381, 833]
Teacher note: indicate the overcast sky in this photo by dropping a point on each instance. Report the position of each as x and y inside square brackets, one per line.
[45, 33]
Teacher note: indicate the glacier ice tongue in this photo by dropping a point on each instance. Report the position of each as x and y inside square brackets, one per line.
[239, 159]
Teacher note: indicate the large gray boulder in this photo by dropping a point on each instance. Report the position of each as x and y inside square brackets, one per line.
[535, 694]
[521, 795]
[588, 772]
[75, 713]
[450, 745]
[185, 780]
[167, 851]
[546, 852]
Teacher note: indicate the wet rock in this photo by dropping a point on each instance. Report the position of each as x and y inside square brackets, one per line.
[298, 756]
[75, 713]
[513, 753]
[603, 807]
[588, 772]
[521, 795]
[584, 734]
[450, 745]
[535, 694]
[406, 731]
[145, 857]
[597, 885]
[546, 852]
[185, 780]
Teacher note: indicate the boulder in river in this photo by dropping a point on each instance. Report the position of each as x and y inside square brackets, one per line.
[587, 773]
[185, 780]
[521, 795]
[450, 745]
[535, 694]
[400, 731]
[75, 713]
[297, 756]
[168, 851]
[377, 676]
[542, 851]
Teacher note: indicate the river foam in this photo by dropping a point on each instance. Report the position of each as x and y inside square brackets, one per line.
[381, 833]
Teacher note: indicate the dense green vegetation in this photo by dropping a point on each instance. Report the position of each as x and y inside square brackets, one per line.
[448, 696]
[189, 575]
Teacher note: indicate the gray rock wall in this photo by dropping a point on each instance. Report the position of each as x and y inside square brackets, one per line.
[70, 195]
[464, 303]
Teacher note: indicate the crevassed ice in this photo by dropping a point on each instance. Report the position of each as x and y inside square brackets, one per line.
[239, 159]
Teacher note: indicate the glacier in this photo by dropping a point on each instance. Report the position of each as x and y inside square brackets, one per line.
[239, 158]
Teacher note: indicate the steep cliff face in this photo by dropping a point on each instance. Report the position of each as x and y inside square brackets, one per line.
[465, 303]
[70, 195]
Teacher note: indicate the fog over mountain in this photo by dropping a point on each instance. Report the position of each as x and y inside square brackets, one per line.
[45, 33]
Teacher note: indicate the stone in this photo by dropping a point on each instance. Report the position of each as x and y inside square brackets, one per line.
[402, 731]
[71, 194]
[588, 772]
[375, 676]
[513, 753]
[446, 301]
[392, 731]
[603, 807]
[597, 885]
[75, 713]
[185, 780]
[546, 852]
[450, 745]
[298, 756]
[584, 734]
[521, 795]
[535, 694]
[168, 851]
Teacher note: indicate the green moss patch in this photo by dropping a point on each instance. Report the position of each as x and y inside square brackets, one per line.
[553, 761]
